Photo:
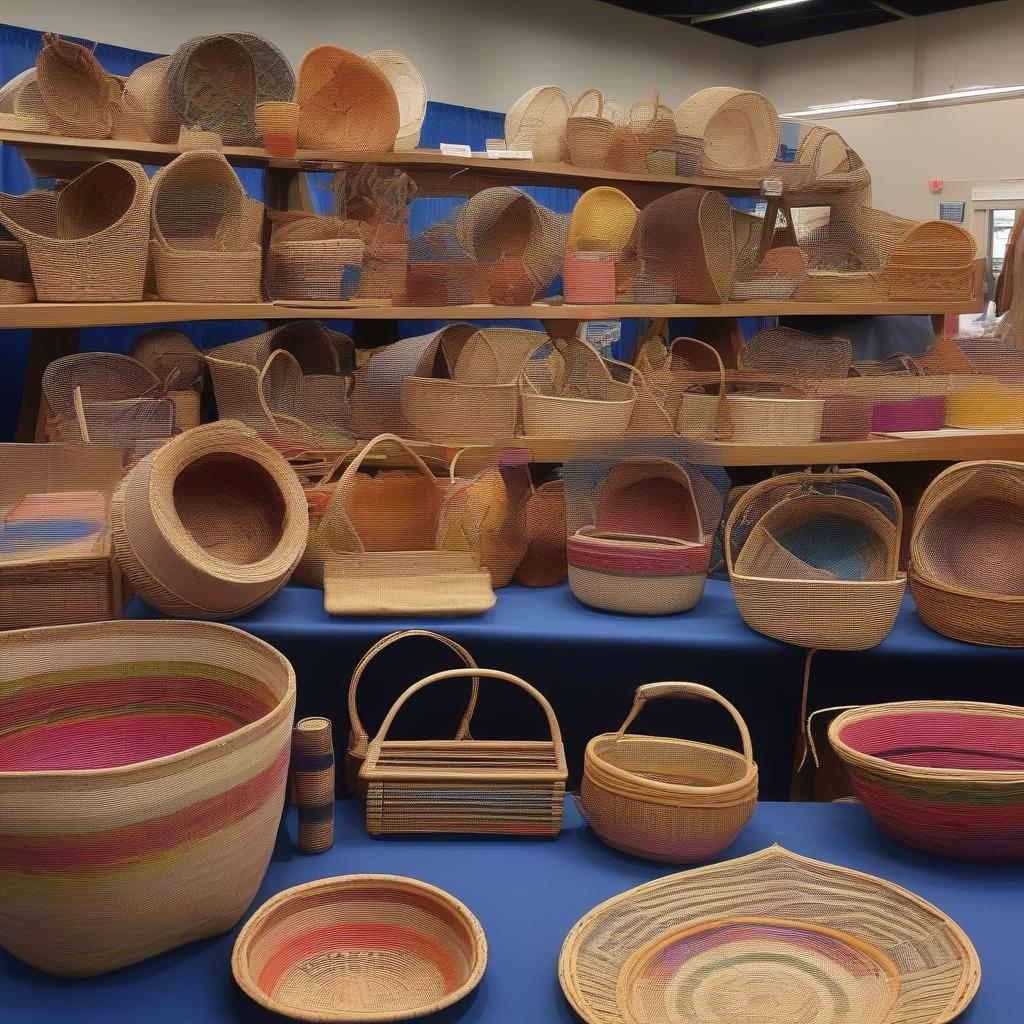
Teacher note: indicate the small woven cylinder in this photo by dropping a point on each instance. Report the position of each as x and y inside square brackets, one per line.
[313, 779]
[278, 123]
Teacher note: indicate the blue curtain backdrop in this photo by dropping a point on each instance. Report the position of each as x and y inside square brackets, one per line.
[444, 123]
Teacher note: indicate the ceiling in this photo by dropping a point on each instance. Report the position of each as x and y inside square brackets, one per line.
[798, 21]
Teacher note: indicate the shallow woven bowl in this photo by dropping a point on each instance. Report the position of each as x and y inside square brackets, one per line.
[360, 948]
[946, 777]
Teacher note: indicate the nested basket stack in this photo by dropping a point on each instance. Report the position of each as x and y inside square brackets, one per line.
[814, 558]
[207, 233]
[507, 787]
[142, 778]
[671, 800]
[966, 570]
[946, 777]
[600, 233]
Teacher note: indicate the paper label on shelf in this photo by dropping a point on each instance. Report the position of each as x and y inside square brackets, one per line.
[455, 149]
[510, 154]
[771, 187]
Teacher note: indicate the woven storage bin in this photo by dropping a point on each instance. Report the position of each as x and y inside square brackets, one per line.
[986, 404]
[966, 572]
[589, 134]
[318, 270]
[174, 359]
[206, 243]
[346, 103]
[56, 563]
[946, 777]
[77, 94]
[410, 90]
[358, 738]
[537, 122]
[94, 250]
[796, 356]
[770, 937]
[142, 769]
[671, 800]
[360, 948]
[814, 558]
[740, 130]
[646, 552]
[775, 419]
[278, 123]
[211, 524]
[497, 787]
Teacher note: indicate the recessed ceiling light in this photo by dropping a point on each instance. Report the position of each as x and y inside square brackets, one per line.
[769, 5]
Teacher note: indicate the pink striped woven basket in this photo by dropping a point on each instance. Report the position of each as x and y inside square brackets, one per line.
[142, 777]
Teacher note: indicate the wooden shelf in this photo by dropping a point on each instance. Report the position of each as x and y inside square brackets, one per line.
[107, 314]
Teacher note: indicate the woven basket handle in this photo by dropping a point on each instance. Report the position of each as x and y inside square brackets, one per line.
[359, 735]
[809, 737]
[687, 691]
[722, 414]
[565, 346]
[465, 673]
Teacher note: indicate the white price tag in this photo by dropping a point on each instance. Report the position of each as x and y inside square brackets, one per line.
[455, 149]
[771, 187]
[510, 154]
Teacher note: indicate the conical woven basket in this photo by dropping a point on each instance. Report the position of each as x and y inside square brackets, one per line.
[77, 93]
[410, 90]
[537, 122]
[211, 524]
[946, 777]
[740, 129]
[94, 249]
[142, 769]
[671, 800]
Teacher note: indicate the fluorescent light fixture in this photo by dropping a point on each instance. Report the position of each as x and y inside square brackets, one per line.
[940, 99]
[769, 5]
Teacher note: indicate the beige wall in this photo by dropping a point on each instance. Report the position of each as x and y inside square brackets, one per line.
[479, 53]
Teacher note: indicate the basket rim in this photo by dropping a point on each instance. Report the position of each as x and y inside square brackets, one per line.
[187, 627]
[900, 578]
[975, 775]
[339, 883]
[917, 575]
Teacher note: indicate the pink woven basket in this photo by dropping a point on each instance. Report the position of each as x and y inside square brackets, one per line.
[926, 412]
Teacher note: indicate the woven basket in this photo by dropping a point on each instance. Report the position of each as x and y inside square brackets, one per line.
[278, 123]
[774, 419]
[544, 563]
[77, 94]
[346, 103]
[358, 738]
[814, 558]
[986, 404]
[360, 948]
[600, 232]
[832, 164]
[965, 553]
[537, 122]
[312, 780]
[946, 777]
[320, 270]
[768, 937]
[740, 130]
[21, 106]
[146, 773]
[646, 552]
[211, 524]
[506, 787]
[589, 134]
[410, 90]
[94, 250]
[206, 243]
[144, 110]
[670, 800]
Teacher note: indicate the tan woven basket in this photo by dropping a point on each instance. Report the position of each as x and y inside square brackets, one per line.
[94, 250]
[150, 778]
[211, 524]
[665, 799]
[144, 110]
[410, 90]
[358, 738]
[814, 558]
[589, 134]
[537, 122]
[278, 124]
[509, 787]
[740, 129]
[21, 106]
[360, 948]
[775, 419]
[77, 94]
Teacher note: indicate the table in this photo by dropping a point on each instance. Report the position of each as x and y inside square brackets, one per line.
[527, 895]
[588, 664]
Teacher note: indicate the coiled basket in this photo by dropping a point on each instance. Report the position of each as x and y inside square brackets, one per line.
[142, 777]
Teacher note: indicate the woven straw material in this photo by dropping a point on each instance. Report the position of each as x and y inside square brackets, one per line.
[144, 110]
[545, 561]
[206, 232]
[946, 777]
[830, 162]
[77, 94]
[987, 403]
[358, 738]
[498, 787]
[360, 948]
[600, 232]
[590, 134]
[143, 766]
[771, 938]
[410, 90]
[645, 144]
[172, 357]
[796, 356]
[94, 249]
[774, 419]
[21, 106]
[537, 122]
[740, 130]
[684, 241]
[965, 553]
[278, 124]
[321, 270]
[347, 102]
[55, 540]
[814, 558]
[670, 800]
[312, 778]
[211, 524]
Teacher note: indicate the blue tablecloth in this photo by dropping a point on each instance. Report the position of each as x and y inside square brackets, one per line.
[588, 663]
[527, 895]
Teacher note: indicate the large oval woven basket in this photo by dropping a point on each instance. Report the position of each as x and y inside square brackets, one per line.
[211, 524]
[142, 776]
[671, 800]
[942, 776]
[740, 129]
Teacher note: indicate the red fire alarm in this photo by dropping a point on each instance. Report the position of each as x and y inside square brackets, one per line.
[935, 184]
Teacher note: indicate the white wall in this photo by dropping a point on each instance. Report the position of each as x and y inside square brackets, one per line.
[478, 53]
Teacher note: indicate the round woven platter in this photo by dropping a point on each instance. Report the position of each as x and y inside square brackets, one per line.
[360, 948]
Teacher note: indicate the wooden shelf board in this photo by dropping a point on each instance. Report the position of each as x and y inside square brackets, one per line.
[106, 314]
